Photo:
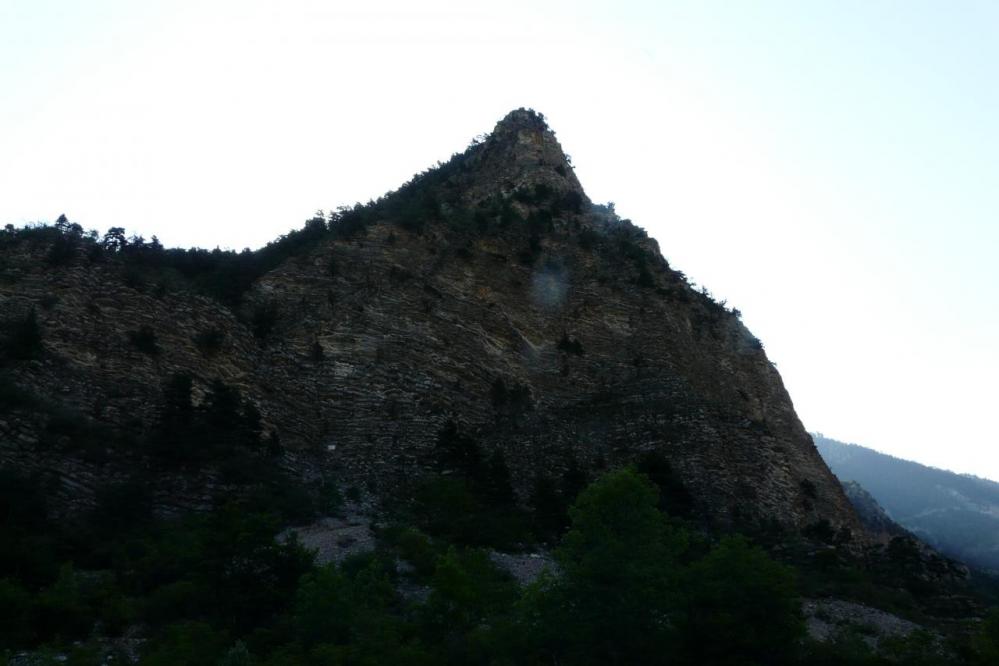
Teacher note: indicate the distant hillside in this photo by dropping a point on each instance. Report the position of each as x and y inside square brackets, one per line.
[872, 514]
[957, 514]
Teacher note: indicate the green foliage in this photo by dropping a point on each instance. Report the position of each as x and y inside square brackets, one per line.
[570, 345]
[29, 548]
[463, 511]
[588, 238]
[263, 319]
[22, 338]
[820, 530]
[413, 547]
[227, 569]
[549, 510]
[125, 506]
[190, 643]
[144, 340]
[351, 615]
[225, 275]
[475, 503]
[510, 400]
[742, 607]
[536, 195]
[571, 202]
[61, 609]
[72, 431]
[469, 594]
[630, 587]
[618, 580]
[13, 396]
[330, 498]
[316, 353]
[550, 500]
[674, 498]
[237, 655]
[209, 342]
[15, 607]
[447, 508]
[63, 250]
[223, 425]
[985, 643]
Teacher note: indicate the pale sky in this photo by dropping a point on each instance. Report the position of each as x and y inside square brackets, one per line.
[830, 168]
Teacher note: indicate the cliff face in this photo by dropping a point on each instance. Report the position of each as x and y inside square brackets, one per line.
[490, 293]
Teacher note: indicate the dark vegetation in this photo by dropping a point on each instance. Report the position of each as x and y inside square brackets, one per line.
[221, 435]
[631, 585]
[209, 341]
[222, 274]
[510, 399]
[570, 345]
[144, 340]
[431, 197]
[21, 338]
[225, 274]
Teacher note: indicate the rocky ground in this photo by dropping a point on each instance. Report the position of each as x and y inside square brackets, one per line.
[830, 619]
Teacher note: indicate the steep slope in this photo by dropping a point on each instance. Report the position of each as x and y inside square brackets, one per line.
[872, 514]
[957, 514]
[487, 293]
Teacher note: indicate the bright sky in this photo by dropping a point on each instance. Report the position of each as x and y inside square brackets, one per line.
[830, 168]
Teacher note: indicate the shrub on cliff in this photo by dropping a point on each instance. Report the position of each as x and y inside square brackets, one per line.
[472, 502]
[224, 426]
[144, 340]
[66, 242]
[13, 396]
[23, 338]
[263, 319]
[570, 345]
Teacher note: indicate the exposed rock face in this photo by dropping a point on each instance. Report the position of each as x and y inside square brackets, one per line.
[545, 326]
[871, 514]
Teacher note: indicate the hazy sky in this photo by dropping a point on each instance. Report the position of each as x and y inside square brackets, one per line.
[830, 168]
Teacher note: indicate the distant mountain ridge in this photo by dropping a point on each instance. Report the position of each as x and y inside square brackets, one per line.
[957, 514]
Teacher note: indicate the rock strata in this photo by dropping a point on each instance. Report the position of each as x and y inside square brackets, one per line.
[544, 326]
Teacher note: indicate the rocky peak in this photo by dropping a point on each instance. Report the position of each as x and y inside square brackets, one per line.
[522, 152]
[486, 293]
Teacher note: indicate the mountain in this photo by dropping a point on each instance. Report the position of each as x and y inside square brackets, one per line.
[440, 393]
[487, 302]
[872, 514]
[955, 513]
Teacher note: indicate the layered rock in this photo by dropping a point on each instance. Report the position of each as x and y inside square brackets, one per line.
[544, 326]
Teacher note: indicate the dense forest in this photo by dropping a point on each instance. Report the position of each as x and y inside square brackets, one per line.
[629, 584]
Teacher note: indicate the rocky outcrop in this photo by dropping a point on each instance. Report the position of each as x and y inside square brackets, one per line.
[833, 620]
[874, 518]
[545, 326]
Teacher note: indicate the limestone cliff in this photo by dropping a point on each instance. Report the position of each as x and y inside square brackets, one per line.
[489, 292]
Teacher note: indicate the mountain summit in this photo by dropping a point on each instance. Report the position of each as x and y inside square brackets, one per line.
[487, 310]
[522, 151]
